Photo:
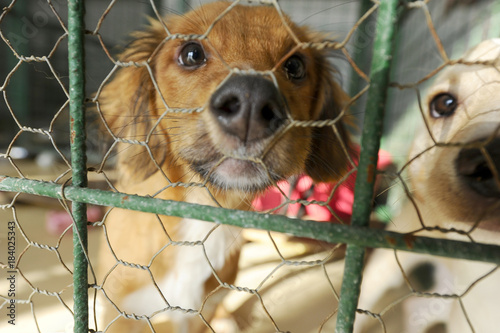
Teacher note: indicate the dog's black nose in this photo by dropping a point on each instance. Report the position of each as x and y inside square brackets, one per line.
[249, 107]
[476, 171]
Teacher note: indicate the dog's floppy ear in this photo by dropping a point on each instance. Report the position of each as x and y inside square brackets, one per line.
[128, 105]
[327, 160]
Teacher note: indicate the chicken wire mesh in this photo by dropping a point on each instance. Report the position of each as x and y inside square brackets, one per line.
[284, 283]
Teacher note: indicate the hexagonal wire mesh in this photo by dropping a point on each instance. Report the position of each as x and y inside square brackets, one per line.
[284, 282]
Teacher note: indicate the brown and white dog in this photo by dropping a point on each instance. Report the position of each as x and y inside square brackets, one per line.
[454, 180]
[207, 99]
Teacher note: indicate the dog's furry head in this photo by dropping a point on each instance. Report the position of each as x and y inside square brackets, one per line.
[455, 172]
[164, 100]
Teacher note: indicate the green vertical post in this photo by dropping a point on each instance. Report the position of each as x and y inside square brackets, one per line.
[370, 144]
[76, 61]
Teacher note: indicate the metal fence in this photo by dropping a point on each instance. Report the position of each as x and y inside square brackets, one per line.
[71, 189]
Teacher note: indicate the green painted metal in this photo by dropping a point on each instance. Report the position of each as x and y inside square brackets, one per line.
[329, 232]
[370, 145]
[76, 62]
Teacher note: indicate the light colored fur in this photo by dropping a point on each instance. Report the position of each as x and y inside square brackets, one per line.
[444, 201]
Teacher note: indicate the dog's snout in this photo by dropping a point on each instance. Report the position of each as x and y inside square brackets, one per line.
[248, 107]
[475, 168]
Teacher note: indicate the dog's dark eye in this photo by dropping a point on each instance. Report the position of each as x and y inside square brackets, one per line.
[192, 55]
[294, 67]
[443, 105]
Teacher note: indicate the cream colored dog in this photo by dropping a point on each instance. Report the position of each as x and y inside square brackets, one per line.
[453, 175]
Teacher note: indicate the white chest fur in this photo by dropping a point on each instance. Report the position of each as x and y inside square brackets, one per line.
[201, 250]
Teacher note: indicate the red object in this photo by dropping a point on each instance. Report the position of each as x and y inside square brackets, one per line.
[56, 221]
[341, 202]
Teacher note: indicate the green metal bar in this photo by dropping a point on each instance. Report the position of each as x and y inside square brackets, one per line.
[76, 60]
[329, 232]
[370, 145]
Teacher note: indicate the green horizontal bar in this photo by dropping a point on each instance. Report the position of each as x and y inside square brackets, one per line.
[329, 232]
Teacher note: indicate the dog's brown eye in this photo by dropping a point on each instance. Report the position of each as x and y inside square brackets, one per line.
[294, 67]
[192, 55]
[443, 105]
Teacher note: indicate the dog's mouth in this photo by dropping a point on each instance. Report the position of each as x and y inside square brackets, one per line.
[247, 111]
[479, 168]
[236, 174]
